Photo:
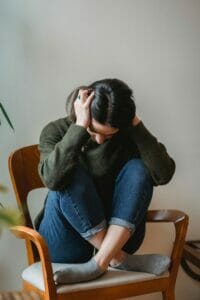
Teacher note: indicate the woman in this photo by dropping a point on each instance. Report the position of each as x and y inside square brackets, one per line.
[100, 164]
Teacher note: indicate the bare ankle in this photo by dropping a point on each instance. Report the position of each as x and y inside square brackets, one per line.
[102, 263]
[97, 239]
[119, 258]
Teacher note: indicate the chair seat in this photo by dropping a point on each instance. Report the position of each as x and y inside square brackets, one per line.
[113, 277]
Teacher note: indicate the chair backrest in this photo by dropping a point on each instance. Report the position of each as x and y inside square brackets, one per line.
[23, 168]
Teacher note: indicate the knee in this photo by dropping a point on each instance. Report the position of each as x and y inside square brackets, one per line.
[136, 164]
[137, 169]
[79, 181]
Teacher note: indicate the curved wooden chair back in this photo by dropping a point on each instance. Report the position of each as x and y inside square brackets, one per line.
[23, 170]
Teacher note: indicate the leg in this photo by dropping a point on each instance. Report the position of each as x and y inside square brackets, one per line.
[135, 241]
[132, 196]
[81, 206]
[168, 295]
[71, 218]
[65, 244]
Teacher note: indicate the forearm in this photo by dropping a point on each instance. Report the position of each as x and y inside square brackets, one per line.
[153, 153]
[58, 159]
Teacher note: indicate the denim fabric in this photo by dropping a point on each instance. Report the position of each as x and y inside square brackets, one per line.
[76, 214]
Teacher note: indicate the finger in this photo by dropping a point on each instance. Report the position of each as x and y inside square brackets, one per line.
[83, 94]
[90, 98]
[80, 91]
[80, 95]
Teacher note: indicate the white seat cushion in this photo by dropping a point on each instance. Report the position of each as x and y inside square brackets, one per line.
[33, 275]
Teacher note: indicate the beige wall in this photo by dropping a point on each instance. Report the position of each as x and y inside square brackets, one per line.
[49, 47]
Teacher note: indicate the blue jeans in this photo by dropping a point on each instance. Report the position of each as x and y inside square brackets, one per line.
[76, 214]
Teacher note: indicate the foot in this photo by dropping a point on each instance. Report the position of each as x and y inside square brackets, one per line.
[78, 272]
[148, 263]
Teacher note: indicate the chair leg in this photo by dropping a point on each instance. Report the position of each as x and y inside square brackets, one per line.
[168, 295]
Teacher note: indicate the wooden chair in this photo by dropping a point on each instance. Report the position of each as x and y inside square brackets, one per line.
[114, 284]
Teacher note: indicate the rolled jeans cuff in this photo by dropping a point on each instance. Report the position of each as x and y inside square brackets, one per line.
[123, 223]
[91, 232]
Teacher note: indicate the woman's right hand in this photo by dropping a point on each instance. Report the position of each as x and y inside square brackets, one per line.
[82, 107]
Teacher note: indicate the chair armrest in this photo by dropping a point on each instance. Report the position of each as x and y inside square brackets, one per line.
[28, 234]
[180, 221]
[166, 215]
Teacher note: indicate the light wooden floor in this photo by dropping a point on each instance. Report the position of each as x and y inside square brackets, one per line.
[19, 296]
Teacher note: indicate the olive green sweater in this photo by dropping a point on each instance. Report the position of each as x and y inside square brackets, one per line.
[64, 144]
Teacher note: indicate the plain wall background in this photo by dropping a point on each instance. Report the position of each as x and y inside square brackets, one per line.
[49, 47]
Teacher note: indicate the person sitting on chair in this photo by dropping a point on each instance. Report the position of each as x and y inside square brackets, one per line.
[100, 164]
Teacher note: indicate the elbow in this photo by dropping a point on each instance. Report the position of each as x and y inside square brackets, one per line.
[48, 181]
[50, 185]
[53, 185]
[166, 175]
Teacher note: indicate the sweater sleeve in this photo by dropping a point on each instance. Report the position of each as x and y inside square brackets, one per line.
[58, 156]
[153, 153]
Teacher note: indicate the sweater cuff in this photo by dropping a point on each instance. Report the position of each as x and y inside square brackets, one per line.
[140, 134]
[76, 136]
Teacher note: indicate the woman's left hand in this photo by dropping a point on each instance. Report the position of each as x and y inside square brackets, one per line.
[135, 121]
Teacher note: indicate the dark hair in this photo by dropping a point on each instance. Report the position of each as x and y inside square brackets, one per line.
[112, 105]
